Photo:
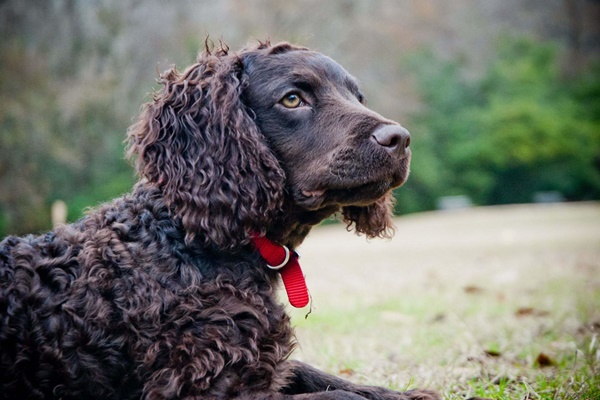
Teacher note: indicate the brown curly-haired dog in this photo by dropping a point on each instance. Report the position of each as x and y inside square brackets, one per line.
[160, 294]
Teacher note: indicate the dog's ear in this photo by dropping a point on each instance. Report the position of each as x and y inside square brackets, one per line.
[374, 220]
[198, 143]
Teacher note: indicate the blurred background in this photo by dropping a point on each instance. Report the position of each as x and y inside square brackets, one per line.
[502, 97]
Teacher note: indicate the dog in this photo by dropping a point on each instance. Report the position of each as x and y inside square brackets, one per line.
[170, 291]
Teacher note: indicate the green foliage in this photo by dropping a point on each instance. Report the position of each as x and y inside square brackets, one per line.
[48, 154]
[516, 130]
[27, 139]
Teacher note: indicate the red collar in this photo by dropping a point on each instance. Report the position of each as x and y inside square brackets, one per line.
[280, 258]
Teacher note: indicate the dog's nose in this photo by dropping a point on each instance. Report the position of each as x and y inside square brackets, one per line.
[394, 138]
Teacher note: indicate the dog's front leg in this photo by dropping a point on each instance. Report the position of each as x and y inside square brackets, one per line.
[306, 379]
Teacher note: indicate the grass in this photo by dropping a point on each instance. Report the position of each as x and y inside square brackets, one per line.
[495, 302]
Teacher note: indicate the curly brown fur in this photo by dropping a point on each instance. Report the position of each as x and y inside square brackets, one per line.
[198, 143]
[158, 294]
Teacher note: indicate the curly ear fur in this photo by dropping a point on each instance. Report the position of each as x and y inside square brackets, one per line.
[197, 142]
[374, 220]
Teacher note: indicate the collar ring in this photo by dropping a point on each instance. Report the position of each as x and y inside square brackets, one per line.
[285, 260]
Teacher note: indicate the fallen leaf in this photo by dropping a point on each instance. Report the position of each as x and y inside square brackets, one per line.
[439, 317]
[492, 353]
[347, 371]
[524, 311]
[543, 360]
[472, 289]
[527, 311]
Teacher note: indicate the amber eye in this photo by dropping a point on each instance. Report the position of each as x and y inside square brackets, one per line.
[292, 100]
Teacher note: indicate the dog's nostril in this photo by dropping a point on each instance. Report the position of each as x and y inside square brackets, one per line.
[392, 137]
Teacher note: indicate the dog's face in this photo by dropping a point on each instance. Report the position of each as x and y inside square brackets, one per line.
[334, 150]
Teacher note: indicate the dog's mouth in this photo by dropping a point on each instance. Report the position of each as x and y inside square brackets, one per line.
[358, 195]
[313, 193]
[351, 189]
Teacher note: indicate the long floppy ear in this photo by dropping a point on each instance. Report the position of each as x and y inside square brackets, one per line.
[374, 220]
[197, 142]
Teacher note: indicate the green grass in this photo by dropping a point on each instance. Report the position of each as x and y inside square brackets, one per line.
[462, 302]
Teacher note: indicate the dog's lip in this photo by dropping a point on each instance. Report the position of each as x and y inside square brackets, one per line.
[357, 194]
[357, 185]
[313, 193]
[311, 199]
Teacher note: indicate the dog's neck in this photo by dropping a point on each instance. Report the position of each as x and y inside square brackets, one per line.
[295, 223]
[291, 226]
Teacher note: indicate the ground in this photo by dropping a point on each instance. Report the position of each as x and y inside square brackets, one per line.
[494, 302]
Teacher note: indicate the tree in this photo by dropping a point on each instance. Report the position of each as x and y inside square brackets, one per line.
[500, 138]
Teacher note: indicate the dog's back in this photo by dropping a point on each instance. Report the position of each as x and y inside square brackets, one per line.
[51, 316]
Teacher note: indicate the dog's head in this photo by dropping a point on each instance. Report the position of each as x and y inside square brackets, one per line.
[236, 138]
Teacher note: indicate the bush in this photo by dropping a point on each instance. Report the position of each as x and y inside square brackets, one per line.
[46, 155]
[516, 130]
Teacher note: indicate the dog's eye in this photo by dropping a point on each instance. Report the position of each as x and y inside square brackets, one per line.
[292, 100]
